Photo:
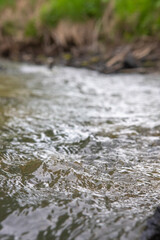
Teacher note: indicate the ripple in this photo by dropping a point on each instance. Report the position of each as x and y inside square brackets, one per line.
[79, 153]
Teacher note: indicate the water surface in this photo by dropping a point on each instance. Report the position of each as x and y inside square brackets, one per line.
[79, 153]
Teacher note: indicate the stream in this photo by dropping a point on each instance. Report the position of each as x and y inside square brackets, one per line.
[79, 153]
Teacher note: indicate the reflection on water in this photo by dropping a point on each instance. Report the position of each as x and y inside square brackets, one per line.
[79, 153]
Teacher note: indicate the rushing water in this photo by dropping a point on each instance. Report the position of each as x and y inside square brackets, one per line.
[79, 153]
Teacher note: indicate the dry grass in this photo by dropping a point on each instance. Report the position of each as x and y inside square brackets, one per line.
[109, 21]
[19, 16]
[64, 35]
[76, 34]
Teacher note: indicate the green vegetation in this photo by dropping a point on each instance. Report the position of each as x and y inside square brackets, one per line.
[4, 3]
[131, 17]
[75, 10]
[8, 28]
[31, 30]
[138, 17]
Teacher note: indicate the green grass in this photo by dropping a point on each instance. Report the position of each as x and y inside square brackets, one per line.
[5, 3]
[138, 17]
[75, 10]
[133, 17]
[8, 28]
[31, 30]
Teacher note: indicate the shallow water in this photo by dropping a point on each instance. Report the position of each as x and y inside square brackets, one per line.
[79, 153]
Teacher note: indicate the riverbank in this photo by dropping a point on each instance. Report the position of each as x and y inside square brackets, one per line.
[141, 56]
[97, 34]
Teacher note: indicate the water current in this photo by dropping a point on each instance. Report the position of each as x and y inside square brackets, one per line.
[79, 153]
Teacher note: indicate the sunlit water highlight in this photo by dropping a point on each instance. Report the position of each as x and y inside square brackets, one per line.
[79, 153]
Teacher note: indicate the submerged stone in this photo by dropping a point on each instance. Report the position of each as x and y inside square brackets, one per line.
[130, 61]
[152, 231]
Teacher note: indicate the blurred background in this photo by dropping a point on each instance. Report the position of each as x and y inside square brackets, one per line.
[50, 27]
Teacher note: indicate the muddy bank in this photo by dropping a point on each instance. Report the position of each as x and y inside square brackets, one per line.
[142, 56]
